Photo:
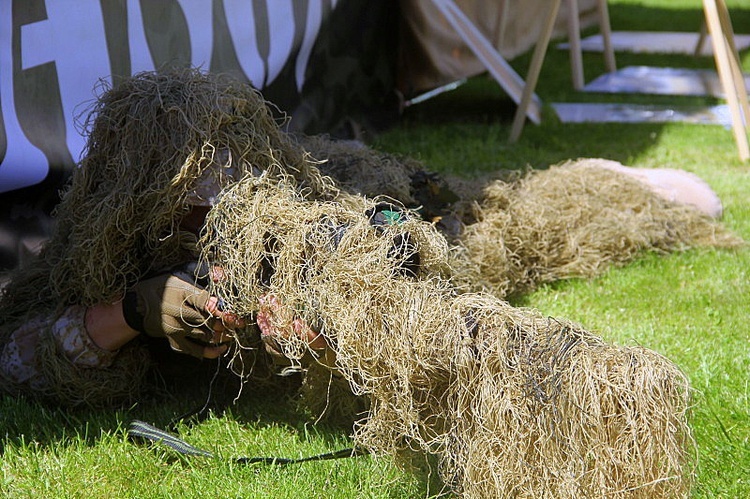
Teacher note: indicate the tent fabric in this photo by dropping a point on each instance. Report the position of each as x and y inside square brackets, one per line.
[433, 54]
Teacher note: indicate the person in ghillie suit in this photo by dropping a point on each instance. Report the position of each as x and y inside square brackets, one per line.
[77, 321]
[187, 175]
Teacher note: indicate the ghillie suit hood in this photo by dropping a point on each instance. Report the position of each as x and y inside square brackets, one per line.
[154, 141]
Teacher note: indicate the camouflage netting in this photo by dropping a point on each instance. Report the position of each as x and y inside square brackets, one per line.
[152, 140]
[512, 403]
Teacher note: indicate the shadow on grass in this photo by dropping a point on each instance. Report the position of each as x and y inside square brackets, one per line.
[172, 397]
[28, 423]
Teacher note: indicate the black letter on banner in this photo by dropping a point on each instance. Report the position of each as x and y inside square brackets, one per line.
[262, 36]
[282, 91]
[224, 55]
[37, 94]
[115, 15]
[167, 33]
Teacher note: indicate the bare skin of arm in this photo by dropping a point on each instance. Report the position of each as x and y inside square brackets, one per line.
[107, 328]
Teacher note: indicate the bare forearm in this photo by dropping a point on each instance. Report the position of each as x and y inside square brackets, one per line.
[106, 326]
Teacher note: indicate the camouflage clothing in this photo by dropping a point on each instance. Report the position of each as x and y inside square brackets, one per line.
[19, 359]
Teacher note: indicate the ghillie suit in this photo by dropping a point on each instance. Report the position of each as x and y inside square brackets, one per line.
[511, 403]
[154, 142]
[363, 171]
[572, 220]
[517, 230]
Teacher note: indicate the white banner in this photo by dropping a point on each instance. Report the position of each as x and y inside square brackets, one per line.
[53, 53]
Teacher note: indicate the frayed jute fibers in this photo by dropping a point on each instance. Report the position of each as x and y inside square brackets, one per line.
[361, 170]
[573, 220]
[72, 386]
[153, 141]
[513, 404]
[517, 230]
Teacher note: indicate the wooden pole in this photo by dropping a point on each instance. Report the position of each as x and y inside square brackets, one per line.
[606, 29]
[574, 40]
[728, 67]
[498, 67]
[537, 59]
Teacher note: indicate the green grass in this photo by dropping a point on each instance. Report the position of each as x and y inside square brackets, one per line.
[692, 307]
[51, 453]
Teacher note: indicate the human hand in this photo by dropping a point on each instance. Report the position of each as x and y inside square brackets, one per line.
[192, 320]
[271, 327]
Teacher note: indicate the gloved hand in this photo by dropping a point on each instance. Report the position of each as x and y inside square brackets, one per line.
[169, 306]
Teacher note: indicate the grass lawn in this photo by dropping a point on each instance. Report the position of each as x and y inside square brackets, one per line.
[689, 306]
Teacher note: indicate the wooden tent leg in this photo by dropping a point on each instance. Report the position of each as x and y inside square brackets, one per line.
[702, 34]
[574, 40]
[734, 58]
[729, 69]
[498, 67]
[606, 29]
[537, 59]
